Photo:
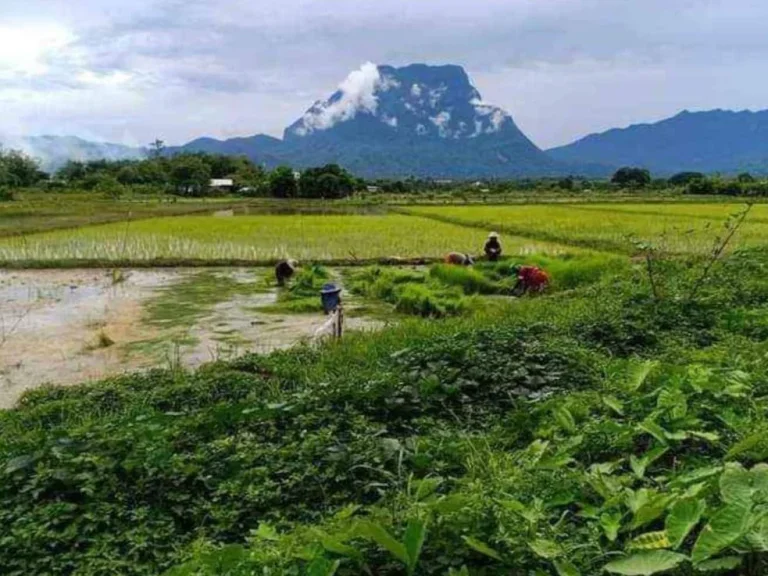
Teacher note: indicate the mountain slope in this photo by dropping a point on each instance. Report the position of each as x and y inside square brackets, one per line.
[712, 141]
[416, 120]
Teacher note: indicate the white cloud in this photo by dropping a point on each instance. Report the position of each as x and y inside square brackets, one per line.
[416, 91]
[436, 95]
[357, 93]
[25, 50]
[390, 120]
[441, 121]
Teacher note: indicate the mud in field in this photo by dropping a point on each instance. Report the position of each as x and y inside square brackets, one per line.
[70, 326]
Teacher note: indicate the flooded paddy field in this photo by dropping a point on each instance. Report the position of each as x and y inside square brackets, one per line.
[71, 326]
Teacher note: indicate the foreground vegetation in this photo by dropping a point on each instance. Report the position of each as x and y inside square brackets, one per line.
[612, 428]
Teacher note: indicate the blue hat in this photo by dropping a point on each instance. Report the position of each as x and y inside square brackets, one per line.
[330, 289]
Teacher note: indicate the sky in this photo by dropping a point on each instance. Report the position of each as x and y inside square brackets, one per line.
[134, 71]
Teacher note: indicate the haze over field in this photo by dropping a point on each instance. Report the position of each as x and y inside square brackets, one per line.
[104, 70]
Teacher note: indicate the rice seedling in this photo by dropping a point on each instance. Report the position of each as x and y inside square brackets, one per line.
[258, 239]
[682, 228]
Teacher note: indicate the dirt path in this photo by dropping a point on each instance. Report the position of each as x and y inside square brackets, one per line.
[70, 326]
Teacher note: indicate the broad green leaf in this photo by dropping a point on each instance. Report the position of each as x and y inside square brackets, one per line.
[736, 485]
[566, 568]
[639, 465]
[266, 532]
[758, 535]
[708, 436]
[683, 517]
[565, 419]
[720, 564]
[650, 541]
[724, 528]
[415, 533]
[614, 404]
[478, 546]
[380, 536]
[337, 547]
[555, 462]
[637, 499]
[18, 463]
[674, 402]
[650, 427]
[678, 435]
[651, 511]
[546, 549]
[638, 374]
[427, 487]
[322, 567]
[462, 572]
[695, 476]
[513, 505]
[611, 524]
[536, 450]
[760, 482]
[645, 563]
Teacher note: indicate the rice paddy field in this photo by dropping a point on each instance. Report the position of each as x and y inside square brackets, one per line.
[257, 239]
[677, 228]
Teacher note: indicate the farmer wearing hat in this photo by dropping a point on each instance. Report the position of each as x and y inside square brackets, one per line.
[530, 278]
[284, 270]
[458, 259]
[493, 247]
[330, 295]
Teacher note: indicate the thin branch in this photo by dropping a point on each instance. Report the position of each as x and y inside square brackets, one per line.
[719, 249]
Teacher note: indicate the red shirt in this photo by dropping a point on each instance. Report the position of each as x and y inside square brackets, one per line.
[533, 277]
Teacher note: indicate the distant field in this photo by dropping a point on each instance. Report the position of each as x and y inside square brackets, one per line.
[684, 228]
[258, 239]
[40, 212]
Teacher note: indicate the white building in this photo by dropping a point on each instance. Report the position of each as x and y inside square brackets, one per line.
[222, 183]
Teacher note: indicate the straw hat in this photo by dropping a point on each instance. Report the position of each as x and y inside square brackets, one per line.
[330, 289]
[493, 235]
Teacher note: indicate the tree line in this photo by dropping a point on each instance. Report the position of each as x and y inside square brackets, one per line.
[193, 175]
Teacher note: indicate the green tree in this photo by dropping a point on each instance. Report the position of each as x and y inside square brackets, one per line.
[282, 183]
[329, 181]
[684, 178]
[21, 170]
[190, 175]
[72, 171]
[156, 148]
[745, 178]
[128, 175]
[631, 177]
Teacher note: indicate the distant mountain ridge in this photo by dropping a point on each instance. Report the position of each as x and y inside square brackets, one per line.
[430, 121]
[709, 141]
[417, 120]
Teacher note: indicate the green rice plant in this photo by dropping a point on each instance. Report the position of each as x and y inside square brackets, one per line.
[470, 280]
[261, 239]
[422, 300]
[684, 228]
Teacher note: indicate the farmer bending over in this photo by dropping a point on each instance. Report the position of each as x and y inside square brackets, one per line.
[284, 270]
[493, 247]
[458, 259]
[530, 278]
